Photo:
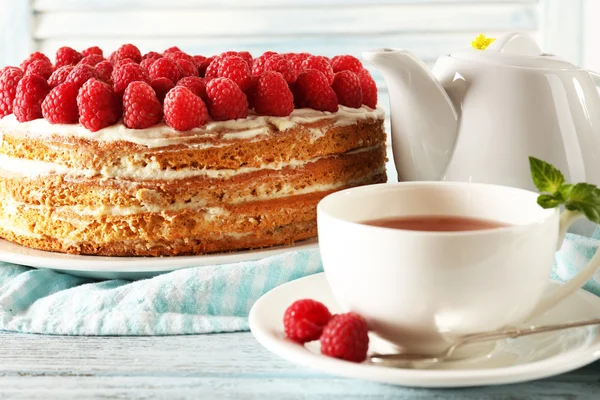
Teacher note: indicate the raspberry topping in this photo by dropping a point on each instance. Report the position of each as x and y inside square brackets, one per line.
[166, 68]
[9, 80]
[34, 56]
[196, 85]
[236, 69]
[141, 108]
[67, 56]
[369, 88]
[346, 86]
[199, 60]
[98, 105]
[179, 55]
[147, 63]
[124, 74]
[212, 69]
[152, 55]
[188, 68]
[184, 110]
[126, 51]
[346, 63]
[313, 90]
[273, 96]
[258, 66]
[41, 68]
[320, 64]
[92, 50]
[161, 87]
[31, 91]
[280, 64]
[171, 50]
[59, 76]
[296, 60]
[346, 337]
[60, 106]
[202, 67]
[304, 320]
[226, 100]
[105, 69]
[81, 73]
[92, 59]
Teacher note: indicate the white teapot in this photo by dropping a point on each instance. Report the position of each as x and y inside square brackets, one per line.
[480, 113]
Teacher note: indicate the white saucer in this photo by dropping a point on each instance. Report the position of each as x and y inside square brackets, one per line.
[510, 361]
[131, 267]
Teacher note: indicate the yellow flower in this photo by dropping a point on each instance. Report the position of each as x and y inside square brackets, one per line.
[481, 42]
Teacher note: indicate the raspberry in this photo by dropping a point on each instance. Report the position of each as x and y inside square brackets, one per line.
[60, 106]
[166, 68]
[236, 69]
[34, 56]
[296, 60]
[346, 86]
[41, 68]
[273, 96]
[98, 105]
[251, 92]
[81, 73]
[126, 51]
[369, 88]
[346, 63]
[92, 50]
[202, 67]
[171, 50]
[141, 108]
[281, 65]
[124, 74]
[184, 110]
[151, 55]
[92, 59]
[313, 90]
[104, 70]
[195, 84]
[8, 89]
[147, 63]
[67, 56]
[123, 61]
[258, 66]
[161, 87]
[320, 64]
[346, 337]
[179, 55]
[304, 320]
[30, 93]
[199, 60]
[226, 100]
[188, 67]
[59, 76]
[244, 55]
[212, 69]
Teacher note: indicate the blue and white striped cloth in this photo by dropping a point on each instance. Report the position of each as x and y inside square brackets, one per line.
[190, 301]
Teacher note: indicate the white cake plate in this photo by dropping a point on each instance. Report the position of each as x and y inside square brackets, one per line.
[132, 268]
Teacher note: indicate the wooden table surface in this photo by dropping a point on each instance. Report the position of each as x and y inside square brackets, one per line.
[232, 366]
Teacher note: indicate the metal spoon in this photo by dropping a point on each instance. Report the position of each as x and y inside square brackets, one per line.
[405, 359]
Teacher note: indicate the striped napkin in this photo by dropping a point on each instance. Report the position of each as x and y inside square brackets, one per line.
[189, 301]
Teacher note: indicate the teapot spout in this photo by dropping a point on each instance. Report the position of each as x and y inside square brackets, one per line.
[424, 122]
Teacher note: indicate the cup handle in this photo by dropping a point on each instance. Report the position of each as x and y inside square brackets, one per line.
[567, 218]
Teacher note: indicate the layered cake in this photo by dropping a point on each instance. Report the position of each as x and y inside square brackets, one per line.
[168, 154]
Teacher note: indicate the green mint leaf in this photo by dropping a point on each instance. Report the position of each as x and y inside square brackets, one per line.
[549, 201]
[545, 176]
[585, 198]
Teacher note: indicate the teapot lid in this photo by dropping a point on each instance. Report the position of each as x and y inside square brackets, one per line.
[515, 49]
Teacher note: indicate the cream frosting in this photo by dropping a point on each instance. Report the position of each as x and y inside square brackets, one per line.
[161, 135]
[20, 167]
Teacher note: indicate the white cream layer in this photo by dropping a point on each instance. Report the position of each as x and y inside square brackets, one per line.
[19, 167]
[162, 135]
[11, 206]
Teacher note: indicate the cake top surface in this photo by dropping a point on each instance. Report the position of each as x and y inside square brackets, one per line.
[153, 97]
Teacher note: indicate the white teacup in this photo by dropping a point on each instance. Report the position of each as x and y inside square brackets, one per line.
[418, 289]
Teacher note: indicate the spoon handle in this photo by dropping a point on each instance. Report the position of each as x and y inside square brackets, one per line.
[517, 332]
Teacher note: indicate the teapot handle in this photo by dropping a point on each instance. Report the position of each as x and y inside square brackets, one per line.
[595, 77]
